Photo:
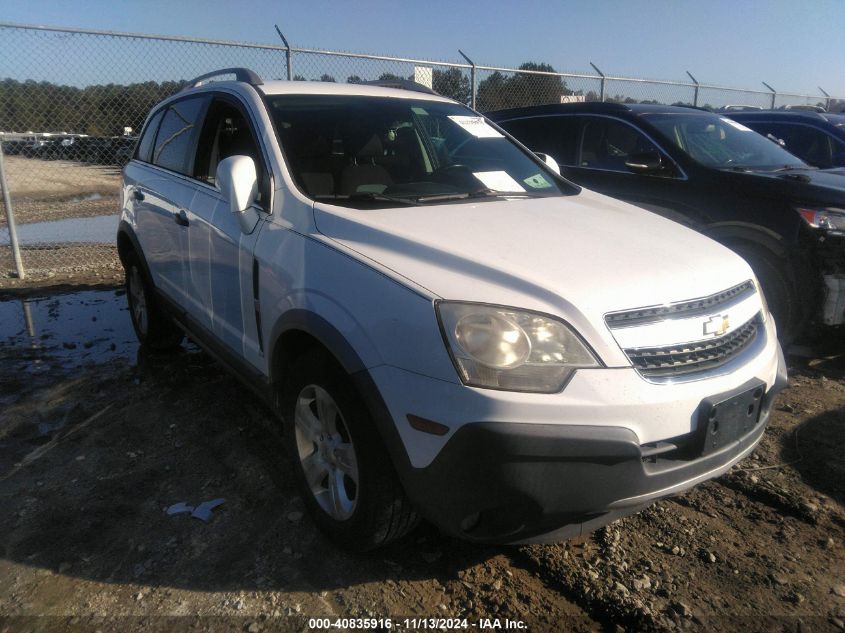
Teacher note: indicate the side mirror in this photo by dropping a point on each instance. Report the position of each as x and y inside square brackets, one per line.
[551, 163]
[644, 162]
[237, 180]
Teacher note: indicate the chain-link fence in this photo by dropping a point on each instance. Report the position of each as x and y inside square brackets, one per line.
[72, 102]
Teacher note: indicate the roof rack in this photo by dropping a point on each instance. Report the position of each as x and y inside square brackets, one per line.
[402, 84]
[241, 74]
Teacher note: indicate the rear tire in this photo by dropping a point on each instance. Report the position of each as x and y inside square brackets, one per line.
[779, 287]
[153, 327]
[342, 469]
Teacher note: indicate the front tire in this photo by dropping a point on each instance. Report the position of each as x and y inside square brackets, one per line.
[778, 286]
[342, 469]
[152, 326]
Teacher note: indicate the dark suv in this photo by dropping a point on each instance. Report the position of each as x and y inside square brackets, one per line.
[817, 138]
[786, 218]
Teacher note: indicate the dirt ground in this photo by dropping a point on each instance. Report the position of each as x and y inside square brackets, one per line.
[98, 439]
[49, 190]
[44, 190]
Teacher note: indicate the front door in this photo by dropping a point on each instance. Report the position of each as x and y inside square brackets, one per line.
[220, 265]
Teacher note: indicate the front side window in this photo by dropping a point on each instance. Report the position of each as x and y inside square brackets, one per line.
[609, 143]
[176, 135]
[360, 150]
[721, 143]
[228, 132]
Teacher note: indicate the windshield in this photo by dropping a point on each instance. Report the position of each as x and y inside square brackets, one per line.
[722, 143]
[362, 151]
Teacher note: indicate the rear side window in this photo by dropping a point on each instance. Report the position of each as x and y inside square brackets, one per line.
[177, 133]
[145, 145]
[556, 136]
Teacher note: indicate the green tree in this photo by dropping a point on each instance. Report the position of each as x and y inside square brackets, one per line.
[533, 87]
[453, 84]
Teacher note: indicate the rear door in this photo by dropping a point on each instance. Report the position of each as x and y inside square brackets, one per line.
[222, 276]
[165, 190]
[555, 135]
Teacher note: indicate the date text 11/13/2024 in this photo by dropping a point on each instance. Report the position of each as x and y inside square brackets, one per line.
[327, 624]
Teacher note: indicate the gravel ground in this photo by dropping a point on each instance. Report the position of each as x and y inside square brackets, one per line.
[98, 439]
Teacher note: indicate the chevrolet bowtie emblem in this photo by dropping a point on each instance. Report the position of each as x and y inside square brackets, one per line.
[717, 325]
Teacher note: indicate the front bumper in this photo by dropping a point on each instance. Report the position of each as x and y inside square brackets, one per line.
[526, 467]
[513, 482]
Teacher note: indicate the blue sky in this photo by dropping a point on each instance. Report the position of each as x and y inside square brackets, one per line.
[793, 45]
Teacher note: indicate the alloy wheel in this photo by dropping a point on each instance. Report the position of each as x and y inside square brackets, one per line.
[326, 453]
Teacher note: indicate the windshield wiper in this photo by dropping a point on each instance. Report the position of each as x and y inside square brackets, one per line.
[793, 167]
[478, 193]
[368, 196]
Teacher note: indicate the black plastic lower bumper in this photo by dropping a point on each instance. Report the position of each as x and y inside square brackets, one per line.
[511, 482]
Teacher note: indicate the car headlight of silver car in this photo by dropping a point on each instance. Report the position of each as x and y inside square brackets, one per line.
[498, 347]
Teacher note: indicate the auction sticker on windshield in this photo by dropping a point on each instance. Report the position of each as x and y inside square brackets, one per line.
[498, 180]
[476, 126]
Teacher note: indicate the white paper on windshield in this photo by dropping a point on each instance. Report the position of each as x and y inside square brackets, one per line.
[476, 126]
[498, 180]
[738, 126]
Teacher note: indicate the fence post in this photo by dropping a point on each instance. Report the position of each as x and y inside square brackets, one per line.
[826, 99]
[10, 217]
[471, 76]
[695, 94]
[774, 93]
[288, 56]
[601, 89]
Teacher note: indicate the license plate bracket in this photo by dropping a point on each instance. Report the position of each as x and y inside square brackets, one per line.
[725, 418]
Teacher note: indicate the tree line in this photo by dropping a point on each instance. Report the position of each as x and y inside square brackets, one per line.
[104, 110]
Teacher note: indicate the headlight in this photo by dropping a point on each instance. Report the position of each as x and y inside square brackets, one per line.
[515, 350]
[830, 219]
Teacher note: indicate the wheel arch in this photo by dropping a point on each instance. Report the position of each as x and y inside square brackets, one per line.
[748, 232]
[127, 242]
[298, 330]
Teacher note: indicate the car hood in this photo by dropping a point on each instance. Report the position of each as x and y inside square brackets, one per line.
[576, 256]
[823, 185]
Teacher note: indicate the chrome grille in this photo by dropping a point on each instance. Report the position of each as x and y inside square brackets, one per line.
[680, 310]
[687, 358]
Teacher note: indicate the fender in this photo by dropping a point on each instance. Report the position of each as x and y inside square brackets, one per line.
[320, 329]
[336, 344]
[748, 232]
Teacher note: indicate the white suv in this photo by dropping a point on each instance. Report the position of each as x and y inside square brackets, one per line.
[447, 328]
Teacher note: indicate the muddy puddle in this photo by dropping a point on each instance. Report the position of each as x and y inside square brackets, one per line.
[72, 330]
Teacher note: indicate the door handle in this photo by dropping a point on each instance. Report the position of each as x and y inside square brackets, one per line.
[138, 195]
[181, 218]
